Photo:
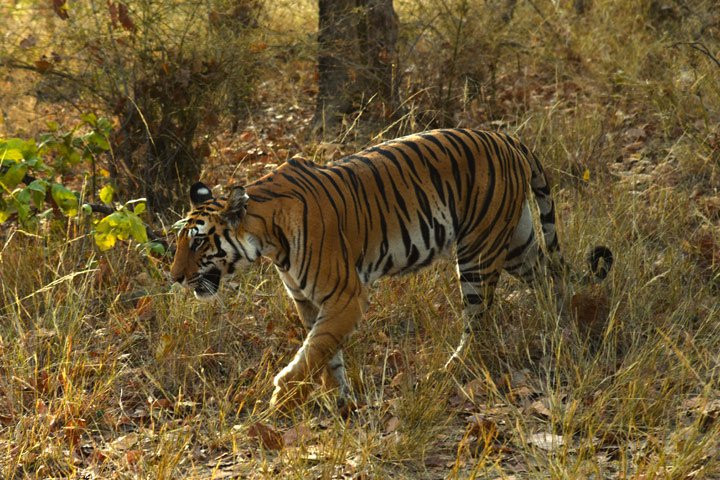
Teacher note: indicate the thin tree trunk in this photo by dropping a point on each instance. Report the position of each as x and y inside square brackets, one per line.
[356, 58]
[377, 32]
[337, 38]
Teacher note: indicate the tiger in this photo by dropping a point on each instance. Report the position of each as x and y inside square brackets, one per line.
[332, 230]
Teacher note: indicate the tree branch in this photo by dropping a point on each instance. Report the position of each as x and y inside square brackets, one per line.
[105, 210]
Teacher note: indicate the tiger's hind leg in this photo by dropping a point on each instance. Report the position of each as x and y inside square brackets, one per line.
[525, 258]
[478, 274]
[529, 263]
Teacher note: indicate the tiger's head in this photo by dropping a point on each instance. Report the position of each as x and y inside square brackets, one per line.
[212, 241]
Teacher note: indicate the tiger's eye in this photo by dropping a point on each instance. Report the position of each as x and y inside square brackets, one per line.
[197, 243]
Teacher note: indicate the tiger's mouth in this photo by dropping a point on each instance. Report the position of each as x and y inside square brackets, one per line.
[206, 285]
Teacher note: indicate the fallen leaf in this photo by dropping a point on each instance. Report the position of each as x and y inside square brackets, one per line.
[546, 441]
[635, 134]
[484, 429]
[133, 456]
[43, 65]
[708, 248]
[475, 388]
[125, 442]
[124, 17]
[298, 434]
[520, 394]
[60, 8]
[398, 379]
[161, 403]
[709, 415]
[391, 425]
[144, 310]
[396, 360]
[28, 42]
[258, 47]
[74, 429]
[268, 437]
[103, 272]
[539, 409]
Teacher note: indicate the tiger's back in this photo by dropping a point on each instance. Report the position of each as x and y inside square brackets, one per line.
[404, 202]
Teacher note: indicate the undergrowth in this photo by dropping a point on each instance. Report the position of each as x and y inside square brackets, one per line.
[106, 371]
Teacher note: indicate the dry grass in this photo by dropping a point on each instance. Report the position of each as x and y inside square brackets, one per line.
[94, 384]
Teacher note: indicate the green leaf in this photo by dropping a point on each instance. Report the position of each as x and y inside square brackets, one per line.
[22, 205]
[90, 119]
[104, 126]
[115, 219]
[156, 248]
[179, 225]
[98, 140]
[137, 228]
[27, 148]
[13, 176]
[73, 157]
[106, 194]
[33, 162]
[48, 213]
[65, 199]
[139, 208]
[4, 215]
[10, 154]
[38, 190]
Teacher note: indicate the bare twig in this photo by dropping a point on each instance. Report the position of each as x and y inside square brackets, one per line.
[702, 48]
[56, 73]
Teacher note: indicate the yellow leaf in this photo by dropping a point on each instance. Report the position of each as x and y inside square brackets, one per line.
[105, 241]
[104, 173]
[586, 175]
[106, 194]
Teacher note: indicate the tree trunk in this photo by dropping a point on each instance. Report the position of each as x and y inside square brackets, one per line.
[581, 6]
[337, 36]
[377, 32]
[356, 58]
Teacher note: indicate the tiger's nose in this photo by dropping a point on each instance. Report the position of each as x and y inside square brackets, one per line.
[179, 278]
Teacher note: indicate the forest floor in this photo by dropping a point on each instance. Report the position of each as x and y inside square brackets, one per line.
[98, 382]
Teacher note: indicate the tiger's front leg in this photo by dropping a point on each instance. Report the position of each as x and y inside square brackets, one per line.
[334, 373]
[336, 319]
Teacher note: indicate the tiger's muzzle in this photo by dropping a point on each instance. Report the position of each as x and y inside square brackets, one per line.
[205, 285]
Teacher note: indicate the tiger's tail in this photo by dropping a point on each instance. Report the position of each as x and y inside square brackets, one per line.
[600, 258]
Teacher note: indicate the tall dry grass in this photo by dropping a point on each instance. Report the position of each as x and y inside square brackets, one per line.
[106, 372]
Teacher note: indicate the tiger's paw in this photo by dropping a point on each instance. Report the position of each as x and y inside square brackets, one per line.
[346, 405]
[289, 395]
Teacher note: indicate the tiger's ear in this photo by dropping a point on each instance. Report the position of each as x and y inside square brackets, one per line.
[199, 193]
[234, 210]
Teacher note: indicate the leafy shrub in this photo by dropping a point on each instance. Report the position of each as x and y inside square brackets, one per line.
[32, 190]
[169, 71]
